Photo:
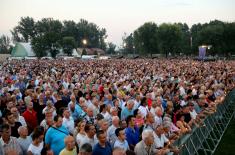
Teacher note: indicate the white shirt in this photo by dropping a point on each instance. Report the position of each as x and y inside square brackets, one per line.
[123, 145]
[69, 124]
[90, 141]
[36, 150]
[158, 120]
[111, 134]
[22, 120]
[80, 138]
[143, 111]
[159, 141]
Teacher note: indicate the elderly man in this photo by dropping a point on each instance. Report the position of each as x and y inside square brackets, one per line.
[112, 128]
[24, 140]
[68, 121]
[70, 148]
[146, 145]
[128, 110]
[75, 109]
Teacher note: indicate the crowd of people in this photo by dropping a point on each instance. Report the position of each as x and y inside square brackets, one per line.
[107, 107]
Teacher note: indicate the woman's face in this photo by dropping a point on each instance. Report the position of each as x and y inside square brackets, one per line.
[82, 126]
[59, 122]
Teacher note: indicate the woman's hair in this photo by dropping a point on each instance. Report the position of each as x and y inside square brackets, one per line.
[79, 125]
[38, 131]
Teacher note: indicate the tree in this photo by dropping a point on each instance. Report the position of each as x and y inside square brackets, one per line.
[39, 46]
[25, 28]
[51, 31]
[171, 37]
[68, 44]
[111, 48]
[129, 44]
[146, 39]
[5, 47]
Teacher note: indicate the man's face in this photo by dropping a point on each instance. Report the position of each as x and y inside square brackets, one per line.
[102, 138]
[11, 119]
[70, 144]
[66, 113]
[122, 135]
[6, 133]
[150, 140]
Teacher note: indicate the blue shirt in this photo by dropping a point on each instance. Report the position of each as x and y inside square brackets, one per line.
[55, 139]
[132, 136]
[125, 113]
[78, 112]
[99, 150]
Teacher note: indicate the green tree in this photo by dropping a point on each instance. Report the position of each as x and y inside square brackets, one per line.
[111, 48]
[5, 45]
[129, 44]
[25, 28]
[146, 39]
[68, 44]
[171, 37]
[51, 31]
[39, 46]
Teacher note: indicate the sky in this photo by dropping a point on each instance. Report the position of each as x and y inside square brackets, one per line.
[117, 16]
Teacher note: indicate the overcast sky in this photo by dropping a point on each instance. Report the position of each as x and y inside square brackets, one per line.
[117, 16]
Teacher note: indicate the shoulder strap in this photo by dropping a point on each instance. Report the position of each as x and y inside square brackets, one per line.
[59, 130]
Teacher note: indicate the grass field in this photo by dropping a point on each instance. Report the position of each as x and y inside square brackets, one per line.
[227, 144]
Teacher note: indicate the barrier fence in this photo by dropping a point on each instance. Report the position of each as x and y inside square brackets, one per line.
[204, 140]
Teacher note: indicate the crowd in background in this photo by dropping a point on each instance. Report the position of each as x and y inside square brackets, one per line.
[106, 106]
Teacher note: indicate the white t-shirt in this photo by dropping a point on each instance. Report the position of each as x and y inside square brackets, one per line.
[80, 138]
[143, 111]
[69, 124]
[36, 150]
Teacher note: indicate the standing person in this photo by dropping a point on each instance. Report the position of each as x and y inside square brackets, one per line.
[128, 110]
[132, 132]
[24, 140]
[90, 135]
[121, 141]
[111, 130]
[14, 125]
[36, 146]
[30, 116]
[85, 149]
[145, 146]
[102, 147]
[55, 135]
[68, 121]
[17, 116]
[10, 143]
[70, 148]
[81, 132]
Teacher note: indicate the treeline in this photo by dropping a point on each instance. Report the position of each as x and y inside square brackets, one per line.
[50, 35]
[178, 38]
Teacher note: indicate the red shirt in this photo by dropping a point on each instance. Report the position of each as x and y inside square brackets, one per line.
[31, 119]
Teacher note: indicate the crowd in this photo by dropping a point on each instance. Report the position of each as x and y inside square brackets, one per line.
[106, 106]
